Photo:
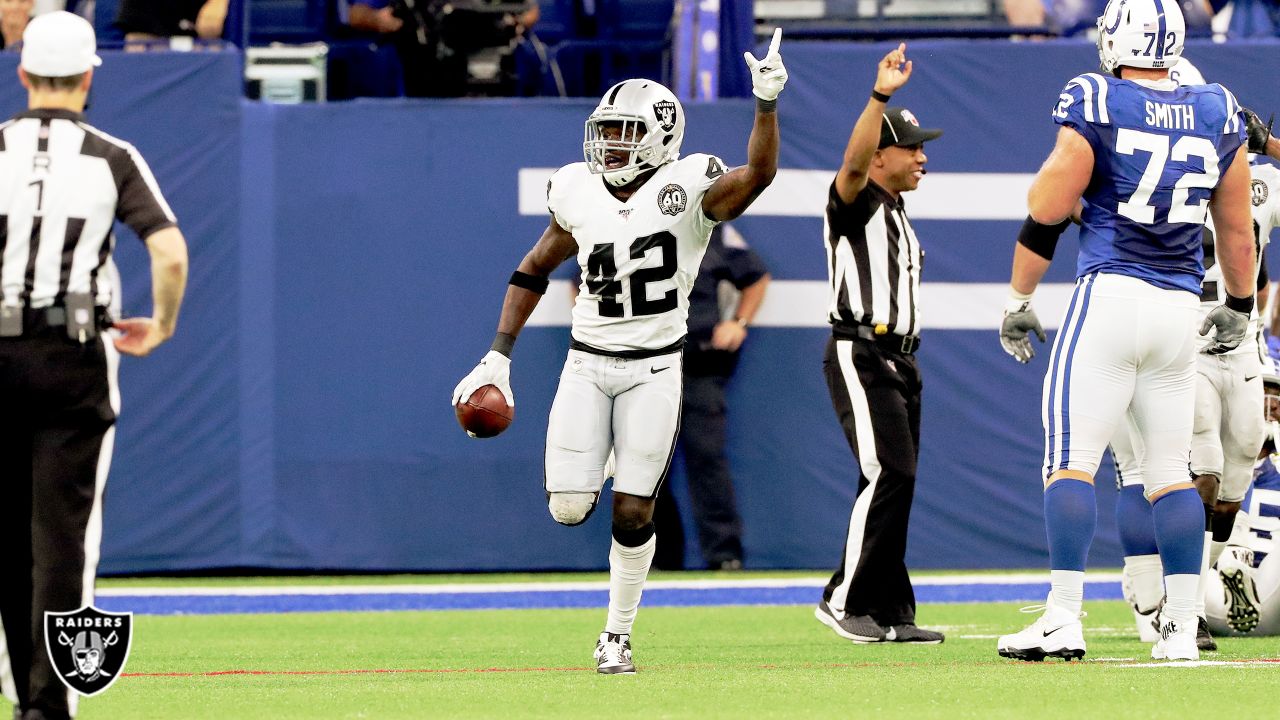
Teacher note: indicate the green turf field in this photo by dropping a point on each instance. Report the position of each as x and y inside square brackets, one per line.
[734, 662]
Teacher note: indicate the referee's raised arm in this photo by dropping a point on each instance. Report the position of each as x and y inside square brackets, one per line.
[892, 73]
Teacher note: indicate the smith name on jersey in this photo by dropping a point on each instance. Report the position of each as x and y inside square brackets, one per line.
[639, 258]
[1159, 150]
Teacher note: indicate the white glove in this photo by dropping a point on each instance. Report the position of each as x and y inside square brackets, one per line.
[1016, 328]
[494, 369]
[767, 75]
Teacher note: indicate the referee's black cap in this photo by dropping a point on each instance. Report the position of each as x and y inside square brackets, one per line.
[900, 127]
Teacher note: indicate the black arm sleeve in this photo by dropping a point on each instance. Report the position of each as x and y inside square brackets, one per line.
[141, 206]
[1041, 239]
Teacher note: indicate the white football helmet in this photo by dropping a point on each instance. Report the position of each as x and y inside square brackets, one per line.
[1271, 401]
[1141, 34]
[652, 122]
[1184, 73]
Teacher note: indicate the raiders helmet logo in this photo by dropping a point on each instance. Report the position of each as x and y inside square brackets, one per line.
[672, 199]
[1259, 192]
[88, 647]
[665, 110]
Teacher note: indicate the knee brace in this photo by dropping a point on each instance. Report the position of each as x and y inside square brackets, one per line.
[571, 508]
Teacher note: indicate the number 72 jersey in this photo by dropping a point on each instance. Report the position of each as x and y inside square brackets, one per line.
[1159, 150]
[639, 258]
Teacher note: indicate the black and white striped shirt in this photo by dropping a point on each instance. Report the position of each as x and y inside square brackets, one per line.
[63, 184]
[873, 263]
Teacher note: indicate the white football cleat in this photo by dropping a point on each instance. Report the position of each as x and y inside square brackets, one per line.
[613, 654]
[1177, 642]
[1056, 633]
[1239, 588]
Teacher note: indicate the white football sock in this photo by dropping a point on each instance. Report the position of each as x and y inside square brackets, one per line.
[1067, 590]
[1180, 598]
[1215, 551]
[628, 569]
[1205, 565]
[1145, 577]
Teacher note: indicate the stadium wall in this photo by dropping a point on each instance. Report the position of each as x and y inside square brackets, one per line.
[349, 261]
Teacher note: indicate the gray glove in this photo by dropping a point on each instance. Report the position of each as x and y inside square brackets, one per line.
[1232, 326]
[1019, 321]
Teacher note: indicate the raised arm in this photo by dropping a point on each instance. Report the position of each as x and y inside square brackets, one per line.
[733, 192]
[892, 73]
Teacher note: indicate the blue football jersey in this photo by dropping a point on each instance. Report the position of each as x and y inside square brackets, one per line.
[1263, 507]
[1157, 155]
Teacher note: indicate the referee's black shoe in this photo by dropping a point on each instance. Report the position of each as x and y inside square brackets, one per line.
[858, 628]
[909, 633]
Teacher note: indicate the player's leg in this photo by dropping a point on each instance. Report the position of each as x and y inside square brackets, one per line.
[579, 434]
[1214, 385]
[646, 422]
[70, 459]
[1163, 408]
[15, 560]
[870, 587]
[1087, 387]
[1142, 580]
[1243, 432]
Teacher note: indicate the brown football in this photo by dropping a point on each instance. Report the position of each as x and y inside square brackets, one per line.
[486, 413]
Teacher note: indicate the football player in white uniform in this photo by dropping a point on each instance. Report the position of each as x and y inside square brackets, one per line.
[638, 217]
[1243, 596]
[1228, 426]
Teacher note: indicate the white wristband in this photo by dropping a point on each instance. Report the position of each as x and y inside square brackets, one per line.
[1016, 300]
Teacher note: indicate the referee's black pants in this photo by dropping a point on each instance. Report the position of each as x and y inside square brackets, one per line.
[57, 419]
[876, 395]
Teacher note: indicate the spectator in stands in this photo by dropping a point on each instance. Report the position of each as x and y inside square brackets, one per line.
[144, 20]
[728, 291]
[436, 38]
[14, 16]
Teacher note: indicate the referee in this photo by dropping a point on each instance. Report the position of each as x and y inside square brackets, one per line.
[874, 260]
[62, 186]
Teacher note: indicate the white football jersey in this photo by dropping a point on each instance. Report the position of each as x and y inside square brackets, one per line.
[639, 258]
[1265, 189]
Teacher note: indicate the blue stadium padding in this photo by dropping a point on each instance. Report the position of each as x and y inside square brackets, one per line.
[348, 264]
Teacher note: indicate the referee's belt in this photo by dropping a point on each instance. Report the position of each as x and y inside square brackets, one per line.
[905, 344]
[55, 316]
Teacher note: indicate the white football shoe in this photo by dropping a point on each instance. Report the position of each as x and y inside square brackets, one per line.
[613, 654]
[1177, 641]
[1056, 633]
[1239, 588]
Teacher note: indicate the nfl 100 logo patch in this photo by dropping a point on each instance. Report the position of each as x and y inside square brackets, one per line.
[88, 647]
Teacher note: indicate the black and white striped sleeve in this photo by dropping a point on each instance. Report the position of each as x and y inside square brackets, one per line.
[141, 205]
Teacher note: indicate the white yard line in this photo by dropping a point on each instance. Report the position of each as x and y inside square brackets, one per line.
[494, 588]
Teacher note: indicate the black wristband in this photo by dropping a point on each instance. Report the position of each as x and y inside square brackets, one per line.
[877, 95]
[532, 283]
[1240, 305]
[503, 343]
[1041, 239]
[767, 106]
